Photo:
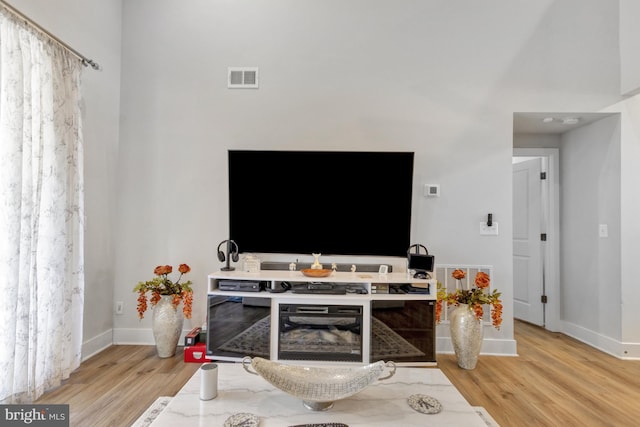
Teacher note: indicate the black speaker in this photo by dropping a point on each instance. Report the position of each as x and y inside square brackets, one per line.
[232, 254]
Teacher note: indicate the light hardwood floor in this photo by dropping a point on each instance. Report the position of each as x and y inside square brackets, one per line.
[555, 381]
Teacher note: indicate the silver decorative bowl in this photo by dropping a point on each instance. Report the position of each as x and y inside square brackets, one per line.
[318, 388]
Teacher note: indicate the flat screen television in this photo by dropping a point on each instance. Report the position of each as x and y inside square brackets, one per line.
[328, 202]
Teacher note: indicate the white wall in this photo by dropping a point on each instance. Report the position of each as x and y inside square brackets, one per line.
[629, 46]
[629, 345]
[590, 196]
[93, 28]
[609, 319]
[440, 78]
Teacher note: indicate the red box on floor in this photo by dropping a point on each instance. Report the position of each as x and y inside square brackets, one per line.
[196, 353]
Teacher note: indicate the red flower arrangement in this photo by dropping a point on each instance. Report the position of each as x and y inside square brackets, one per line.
[162, 285]
[474, 297]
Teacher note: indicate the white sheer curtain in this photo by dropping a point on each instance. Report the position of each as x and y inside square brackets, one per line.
[41, 212]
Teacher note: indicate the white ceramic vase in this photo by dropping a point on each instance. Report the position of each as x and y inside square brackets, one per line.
[466, 335]
[167, 323]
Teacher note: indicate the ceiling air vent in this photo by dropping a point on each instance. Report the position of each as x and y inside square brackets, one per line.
[242, 78]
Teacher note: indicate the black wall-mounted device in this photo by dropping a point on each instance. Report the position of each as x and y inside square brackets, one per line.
[421, 263]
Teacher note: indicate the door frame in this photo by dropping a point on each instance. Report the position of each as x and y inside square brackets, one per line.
[551, 257]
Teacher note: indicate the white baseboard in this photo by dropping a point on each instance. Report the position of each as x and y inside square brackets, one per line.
[96, 344]
[121, 336]
[616, 348]
[139, 336]
[630, 351]
[490, 347]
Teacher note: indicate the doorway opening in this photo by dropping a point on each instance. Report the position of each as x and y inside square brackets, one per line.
[536, 222]
[580, 138]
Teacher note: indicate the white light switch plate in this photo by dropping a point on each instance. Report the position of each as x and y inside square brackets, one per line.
[603, 230]
[485, 230]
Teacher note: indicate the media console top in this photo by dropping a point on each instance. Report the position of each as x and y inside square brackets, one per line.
[370, 283]
[338, 276]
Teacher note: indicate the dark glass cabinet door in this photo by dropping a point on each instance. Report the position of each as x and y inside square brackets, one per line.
[238, 327]
[403, 331]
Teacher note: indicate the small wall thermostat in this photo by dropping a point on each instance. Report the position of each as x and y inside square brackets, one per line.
[432, 190]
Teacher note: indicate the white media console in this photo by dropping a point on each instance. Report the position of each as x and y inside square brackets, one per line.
[375, 319]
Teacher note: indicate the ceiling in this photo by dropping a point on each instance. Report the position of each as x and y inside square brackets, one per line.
[556, 123]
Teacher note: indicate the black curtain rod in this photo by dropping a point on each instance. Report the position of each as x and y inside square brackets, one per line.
[85, 61]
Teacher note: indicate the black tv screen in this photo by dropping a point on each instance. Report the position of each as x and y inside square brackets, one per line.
[328, 202]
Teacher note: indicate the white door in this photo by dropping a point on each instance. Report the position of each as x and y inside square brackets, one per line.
[528, 286]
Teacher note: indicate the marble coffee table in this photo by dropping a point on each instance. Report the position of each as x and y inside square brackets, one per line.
[383, 403]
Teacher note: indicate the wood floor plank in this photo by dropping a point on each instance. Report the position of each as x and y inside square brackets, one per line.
[554, 381]
[116, 386]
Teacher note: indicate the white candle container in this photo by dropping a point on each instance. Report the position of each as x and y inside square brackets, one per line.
[208, 381]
